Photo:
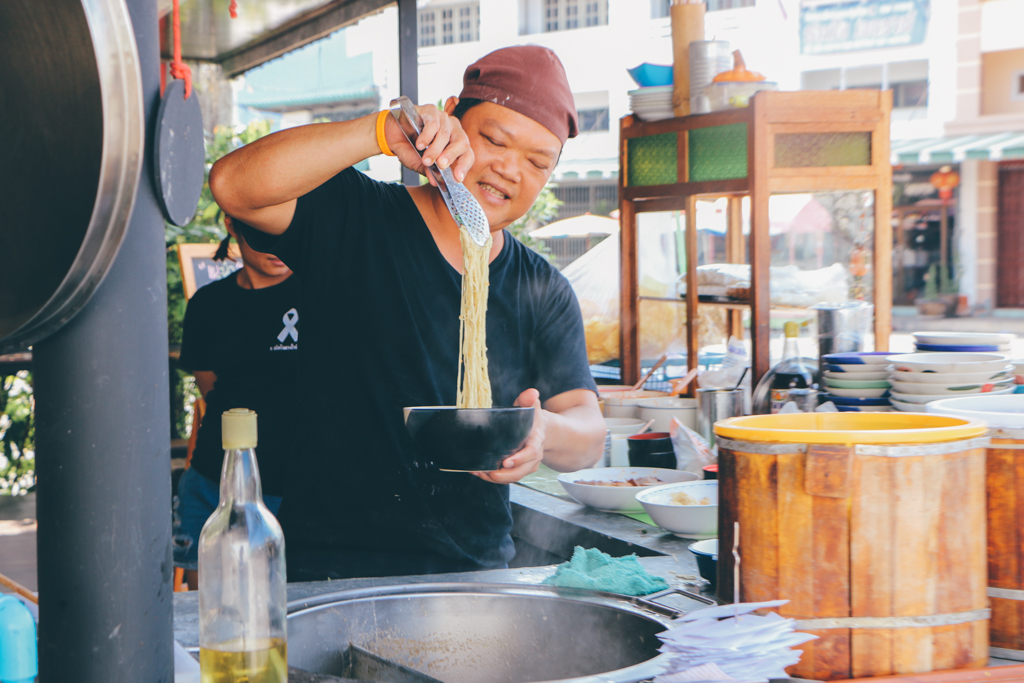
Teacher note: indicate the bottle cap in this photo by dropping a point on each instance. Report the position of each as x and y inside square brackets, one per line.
[791, 329]
[238, 429]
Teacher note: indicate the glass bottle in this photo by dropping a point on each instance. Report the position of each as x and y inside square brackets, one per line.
[242, 597]
[791, 380]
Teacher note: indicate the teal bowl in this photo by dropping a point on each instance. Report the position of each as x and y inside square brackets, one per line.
[651, 75]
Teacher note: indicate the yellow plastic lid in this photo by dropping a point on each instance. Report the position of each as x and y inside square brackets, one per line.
[850, 428]
[791, 329]
[238, 429]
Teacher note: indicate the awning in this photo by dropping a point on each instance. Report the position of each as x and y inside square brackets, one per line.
[991, 147]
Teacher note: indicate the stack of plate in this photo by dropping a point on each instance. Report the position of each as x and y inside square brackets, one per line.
[652, 104]
[857, 382]
[920, 378]
[963, 342]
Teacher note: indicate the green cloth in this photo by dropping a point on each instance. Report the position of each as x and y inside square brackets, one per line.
[592, 569]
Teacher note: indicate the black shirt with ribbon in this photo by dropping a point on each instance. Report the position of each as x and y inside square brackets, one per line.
[380, 332]
[250, 339]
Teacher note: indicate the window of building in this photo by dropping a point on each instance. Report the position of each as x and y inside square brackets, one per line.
[599, 197]
[715, 5]
[459, 23]
[659, 8]
[565, 15]
[592, 120]
[907, 80]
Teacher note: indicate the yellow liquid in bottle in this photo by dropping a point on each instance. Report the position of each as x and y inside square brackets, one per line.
[264, 665]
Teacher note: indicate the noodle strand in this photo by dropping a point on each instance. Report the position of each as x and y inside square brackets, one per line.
[474, 386]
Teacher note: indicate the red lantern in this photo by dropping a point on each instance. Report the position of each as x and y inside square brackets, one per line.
[945, 179]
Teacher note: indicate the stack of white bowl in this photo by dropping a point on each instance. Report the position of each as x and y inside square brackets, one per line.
[652, 104]
[963, 342]
[857, 382]
[920, 378]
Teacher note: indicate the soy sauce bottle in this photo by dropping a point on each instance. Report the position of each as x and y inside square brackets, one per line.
[792, 376]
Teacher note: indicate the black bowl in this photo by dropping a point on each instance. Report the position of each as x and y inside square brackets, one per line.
[707, 563]
[467, 439]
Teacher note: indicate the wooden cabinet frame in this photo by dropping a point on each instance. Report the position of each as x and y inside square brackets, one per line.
[769, 114]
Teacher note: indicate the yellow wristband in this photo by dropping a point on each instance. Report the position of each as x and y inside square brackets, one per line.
[382, 142]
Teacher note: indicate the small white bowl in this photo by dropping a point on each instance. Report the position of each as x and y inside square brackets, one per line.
[947, 390]
[1005, 412]
[623, 425]
[857, 393]
[950, 378]
[685, 521]
[616, 498]
[625, 403]
[861, 376]
[964, 338]
[949, 362]
[928, 398]
[662, 410]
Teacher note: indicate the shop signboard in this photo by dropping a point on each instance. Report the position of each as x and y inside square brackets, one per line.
[827, 28]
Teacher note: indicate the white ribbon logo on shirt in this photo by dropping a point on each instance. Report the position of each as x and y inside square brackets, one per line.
[290, 319]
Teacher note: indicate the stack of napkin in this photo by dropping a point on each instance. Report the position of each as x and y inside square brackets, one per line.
[729, 643]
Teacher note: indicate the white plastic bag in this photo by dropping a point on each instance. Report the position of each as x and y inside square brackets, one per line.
[693, 453]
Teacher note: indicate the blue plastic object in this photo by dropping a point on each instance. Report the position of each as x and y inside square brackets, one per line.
[649, 75]
[957, 348]
[19, 657]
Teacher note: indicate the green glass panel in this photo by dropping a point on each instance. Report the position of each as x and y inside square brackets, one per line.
[718, 153]
[809, 150]
[653, 160]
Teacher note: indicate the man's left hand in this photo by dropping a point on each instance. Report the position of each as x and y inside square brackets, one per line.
[528, 459]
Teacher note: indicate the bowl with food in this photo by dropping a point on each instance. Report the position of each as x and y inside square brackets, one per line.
[614, 489]
[688, 509]
[467, 439]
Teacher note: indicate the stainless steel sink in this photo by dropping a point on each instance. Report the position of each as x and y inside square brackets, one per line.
[483, 633]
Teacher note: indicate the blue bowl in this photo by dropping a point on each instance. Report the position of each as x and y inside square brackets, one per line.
[706, 553]
[843, 401]
[954, 348]
[650, 75]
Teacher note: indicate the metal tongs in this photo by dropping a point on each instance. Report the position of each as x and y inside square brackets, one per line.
[464, 207]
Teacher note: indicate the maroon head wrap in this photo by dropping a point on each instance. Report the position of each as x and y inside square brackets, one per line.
[528, 79]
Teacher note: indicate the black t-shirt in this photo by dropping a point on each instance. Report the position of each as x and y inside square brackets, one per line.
[249, 338]
[381, 332]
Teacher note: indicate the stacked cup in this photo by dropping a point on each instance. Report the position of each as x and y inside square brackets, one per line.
[708, 58]
[653, 449]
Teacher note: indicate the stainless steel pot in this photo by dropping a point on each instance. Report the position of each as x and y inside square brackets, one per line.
[74, 135]
[485, 633]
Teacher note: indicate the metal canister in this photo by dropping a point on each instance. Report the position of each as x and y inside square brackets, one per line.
[714, 405]
[843, 327]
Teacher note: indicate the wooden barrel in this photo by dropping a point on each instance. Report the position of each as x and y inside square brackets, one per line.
[872, 525]
[1005, 481]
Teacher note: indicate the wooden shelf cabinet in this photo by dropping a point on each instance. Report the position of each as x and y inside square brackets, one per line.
[783, 143]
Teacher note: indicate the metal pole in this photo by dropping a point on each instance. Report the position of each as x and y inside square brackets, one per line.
[103, 460]
[408, 65]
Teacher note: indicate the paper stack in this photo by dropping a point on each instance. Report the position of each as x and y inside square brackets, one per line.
[715, 644]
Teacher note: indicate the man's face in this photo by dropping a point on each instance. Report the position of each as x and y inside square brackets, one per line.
[267, 265]
[515, 156]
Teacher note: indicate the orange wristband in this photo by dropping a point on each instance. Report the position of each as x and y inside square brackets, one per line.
[382, 142]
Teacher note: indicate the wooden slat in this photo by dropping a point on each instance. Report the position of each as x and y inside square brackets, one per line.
[796, 533]
[882, 271]
[827, 658]
[757, 481]
[990, 675]
[707, 187]
[629, 333]
[660, 204]
[859, 126]
[871, 652]
[692, 290]
[735, 252]
[871, 543]
[915, 545]
[640, 129]
[824, 183]
[728, 511]
[760, 241]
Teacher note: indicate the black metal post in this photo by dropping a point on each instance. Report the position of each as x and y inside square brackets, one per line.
[408, 65]
[103, 460]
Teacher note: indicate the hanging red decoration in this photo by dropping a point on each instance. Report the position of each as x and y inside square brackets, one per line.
[945, 180]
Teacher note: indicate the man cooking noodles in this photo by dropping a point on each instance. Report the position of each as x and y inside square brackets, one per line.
[380, 266]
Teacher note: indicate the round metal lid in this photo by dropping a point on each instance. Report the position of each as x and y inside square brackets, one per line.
[74, 147]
